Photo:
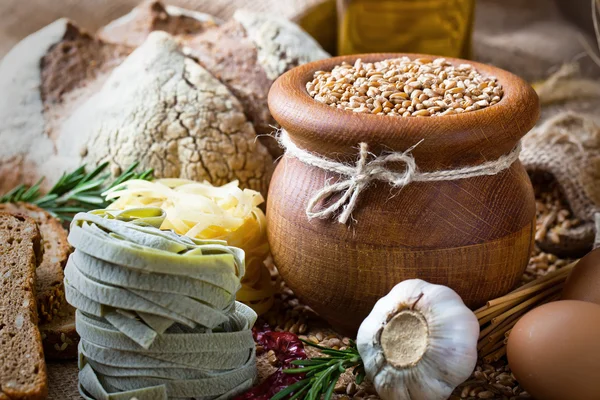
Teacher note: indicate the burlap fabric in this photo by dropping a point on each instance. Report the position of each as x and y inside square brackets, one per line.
[62, 381]
[533, 40]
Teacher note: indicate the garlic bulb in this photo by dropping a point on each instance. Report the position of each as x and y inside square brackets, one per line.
[419, 342]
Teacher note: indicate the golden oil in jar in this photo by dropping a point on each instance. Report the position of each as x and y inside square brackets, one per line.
[440, 27]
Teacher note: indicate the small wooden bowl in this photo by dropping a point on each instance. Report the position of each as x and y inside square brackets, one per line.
[474, 235]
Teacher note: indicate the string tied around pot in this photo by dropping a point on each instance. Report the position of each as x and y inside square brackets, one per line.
[356, 178]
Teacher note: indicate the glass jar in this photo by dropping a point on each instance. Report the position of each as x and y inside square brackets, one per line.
[440, 27]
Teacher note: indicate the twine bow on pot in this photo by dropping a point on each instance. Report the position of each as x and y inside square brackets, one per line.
[360, 176]
[365, 171]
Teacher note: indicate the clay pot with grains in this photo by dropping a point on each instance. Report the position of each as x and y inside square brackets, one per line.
[474, 235]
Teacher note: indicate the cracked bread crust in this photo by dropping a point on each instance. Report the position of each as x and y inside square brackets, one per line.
[235, 52]
[163, 109]
[231, 57]
[132, 29]
[22, 367]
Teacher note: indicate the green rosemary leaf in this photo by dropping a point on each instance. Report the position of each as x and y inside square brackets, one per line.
[290, 389]
[334, 379]
[68, 181]
[359, 372]
[146, 175]
[336, 353]
[300, 392]
[316, 346]
[304, 370]
[33, 192]
[87, 199]
[125, 176]
[316, 389]
[11, 194]
[45, 201]
[360, 378]
[306, 363]
[95, 172]
[75, 191]
[86, 187]
[322, 373]
[73, 210]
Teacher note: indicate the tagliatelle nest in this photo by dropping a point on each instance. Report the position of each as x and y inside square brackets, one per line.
[203, 211]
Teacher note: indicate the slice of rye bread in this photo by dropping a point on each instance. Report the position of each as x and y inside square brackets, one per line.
[49, 283]
[59, 337]
[22, 368]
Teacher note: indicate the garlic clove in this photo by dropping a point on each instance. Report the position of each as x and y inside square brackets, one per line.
[419, 342]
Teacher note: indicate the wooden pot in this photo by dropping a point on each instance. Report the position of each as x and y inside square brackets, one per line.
[474, 235]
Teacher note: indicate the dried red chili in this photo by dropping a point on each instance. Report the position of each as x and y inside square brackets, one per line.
[287, 348]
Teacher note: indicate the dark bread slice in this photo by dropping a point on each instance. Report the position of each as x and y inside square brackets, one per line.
[49, 283]
[59, 336]
[22, 368]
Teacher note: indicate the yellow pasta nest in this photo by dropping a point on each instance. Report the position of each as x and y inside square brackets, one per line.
[203, 211]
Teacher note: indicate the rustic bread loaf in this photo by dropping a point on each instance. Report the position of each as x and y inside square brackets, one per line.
[59, 336]
[22, 367]
[161, 108]
[133, 29]
[50, 291]
[246, 53]
[94, 101]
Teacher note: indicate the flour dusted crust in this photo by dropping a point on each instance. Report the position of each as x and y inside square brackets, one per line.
[236, 52]
[281, 44]
[42, 80]
[231, 57]
[132, 29]
[163, 109]
[23, 125]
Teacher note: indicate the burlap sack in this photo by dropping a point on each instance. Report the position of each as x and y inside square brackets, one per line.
[533, 40]
[62, 381]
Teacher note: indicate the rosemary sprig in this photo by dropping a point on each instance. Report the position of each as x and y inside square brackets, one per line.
[322, 373]
[77, 191]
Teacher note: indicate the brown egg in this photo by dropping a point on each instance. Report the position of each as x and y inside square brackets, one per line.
[584, 280]
[554, 351]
